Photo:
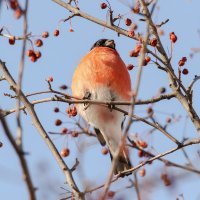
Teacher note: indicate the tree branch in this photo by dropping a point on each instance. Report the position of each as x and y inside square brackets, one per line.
[44, 135]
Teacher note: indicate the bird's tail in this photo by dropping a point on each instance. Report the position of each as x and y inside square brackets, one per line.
[123, 163]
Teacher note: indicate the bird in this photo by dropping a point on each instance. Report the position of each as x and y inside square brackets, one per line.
[102, 75]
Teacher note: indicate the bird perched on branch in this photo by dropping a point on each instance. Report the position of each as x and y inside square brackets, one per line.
[102, 75]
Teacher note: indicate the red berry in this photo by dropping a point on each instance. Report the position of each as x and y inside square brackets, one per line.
[173, 37]
[50, 79]
[136, 9]
[140, 153]
[128, 22]
[65, 152]
[30, 53]
[74, 134]
[181, 63]
[14, 4]
[184, 59]
[38, 54]
[71, 30]
[138, 47]
[134, 26]
[142, 144]
[18, 13]
[131, 33]
[111, 194]
[11, 40]
[103, 5]
[153, 42]
[56, 33]
[33, 58]
[133, 53]
[142, 172]
[168, 120]
[58, 122]
[56, 110]
[45, 34]
[64, 130]
[147, 59]
[129, 66]
[38, 42]
[104, 151]
[185, 71]
[150, 110]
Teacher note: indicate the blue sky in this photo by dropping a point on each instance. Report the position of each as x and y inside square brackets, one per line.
[59, 59]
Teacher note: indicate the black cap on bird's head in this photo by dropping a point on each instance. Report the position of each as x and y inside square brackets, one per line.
[104, 43]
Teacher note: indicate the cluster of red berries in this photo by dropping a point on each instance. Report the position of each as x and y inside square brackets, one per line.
[33, 55]
[14, 5]
[182, 63]
[71, 111]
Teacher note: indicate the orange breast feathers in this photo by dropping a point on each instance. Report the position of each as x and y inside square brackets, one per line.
[102, 66]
